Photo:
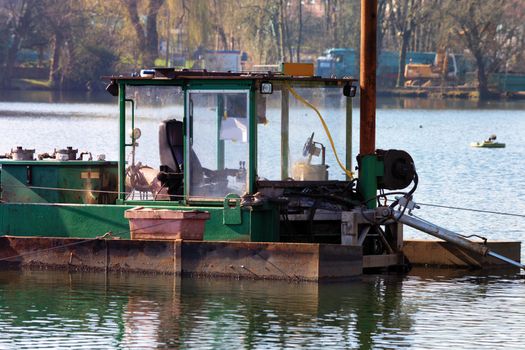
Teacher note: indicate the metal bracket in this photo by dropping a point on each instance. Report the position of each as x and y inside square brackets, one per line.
[231, 214]
[356, 226]
[352, 230]
[407, 203]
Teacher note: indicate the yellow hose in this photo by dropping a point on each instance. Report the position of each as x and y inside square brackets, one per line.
[300, 98]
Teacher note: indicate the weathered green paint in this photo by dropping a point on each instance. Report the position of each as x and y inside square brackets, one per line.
[88, 221]
[367, 185]
[252, 138]
[58, 181]
[232, 210]
[52, 163]
[62, 220]
[122, 142]
[265, 224]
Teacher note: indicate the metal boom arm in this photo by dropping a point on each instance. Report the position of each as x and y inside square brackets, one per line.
[453, 238]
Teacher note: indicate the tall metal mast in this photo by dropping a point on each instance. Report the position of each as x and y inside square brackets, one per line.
[367, 81]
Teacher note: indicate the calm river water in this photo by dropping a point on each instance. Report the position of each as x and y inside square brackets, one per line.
[425, 309]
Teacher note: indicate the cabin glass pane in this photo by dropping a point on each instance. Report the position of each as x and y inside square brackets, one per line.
[153, 105]
[218, 143]
[281, 155]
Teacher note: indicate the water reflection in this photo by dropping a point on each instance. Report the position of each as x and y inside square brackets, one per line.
[142, 311]
[428, 308]
[333, 98]
[43, 96]
[420, 103]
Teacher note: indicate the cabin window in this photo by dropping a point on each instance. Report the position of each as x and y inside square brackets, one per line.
[288, 125]
[218, 146]
[147, 107]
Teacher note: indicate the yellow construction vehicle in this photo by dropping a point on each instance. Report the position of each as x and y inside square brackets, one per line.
[444, 70]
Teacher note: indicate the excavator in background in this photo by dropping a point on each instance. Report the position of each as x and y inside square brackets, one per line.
[443, 71]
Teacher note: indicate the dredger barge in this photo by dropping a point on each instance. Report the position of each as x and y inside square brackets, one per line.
[214, 177]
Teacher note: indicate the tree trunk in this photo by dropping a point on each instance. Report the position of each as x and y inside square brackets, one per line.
[222, 37]
[335, 24]
[276, 32]
[483, 89]
[151, 51]
[300, 34]
[131, 7]
[402, 58]
[219, 28]
[381, 5]
[280, 33]
[11, 60]
[282, 51]
[288, 40]
[54, 71]
[168, 36]
[20, 32]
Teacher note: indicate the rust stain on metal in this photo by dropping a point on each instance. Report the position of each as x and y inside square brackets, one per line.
[440, 253]
[289, 261]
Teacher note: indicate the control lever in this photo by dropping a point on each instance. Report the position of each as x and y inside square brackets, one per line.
[241, 173]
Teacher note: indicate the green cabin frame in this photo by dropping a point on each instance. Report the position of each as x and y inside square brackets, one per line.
[34, 205]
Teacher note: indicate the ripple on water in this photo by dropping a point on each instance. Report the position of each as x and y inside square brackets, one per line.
[57, 310]
[148, 312]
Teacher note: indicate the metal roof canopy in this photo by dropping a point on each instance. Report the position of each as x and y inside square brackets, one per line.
[166, 74]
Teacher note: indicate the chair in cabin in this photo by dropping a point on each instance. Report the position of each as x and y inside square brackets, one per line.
[171, 149]
[204, 181]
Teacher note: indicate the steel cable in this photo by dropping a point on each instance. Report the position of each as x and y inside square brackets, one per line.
[473, 210]
[76, 190]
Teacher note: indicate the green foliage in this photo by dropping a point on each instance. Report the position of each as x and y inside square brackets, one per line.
[84, 39]
[89, 64]
[160, 62]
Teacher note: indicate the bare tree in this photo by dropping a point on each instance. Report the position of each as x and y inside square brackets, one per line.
[405, 15]
[147, 35]
[62, 19]
[489, 30]
[20, 23]
[300, 30]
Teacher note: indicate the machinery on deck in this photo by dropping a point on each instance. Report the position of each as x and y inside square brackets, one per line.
[231, 144]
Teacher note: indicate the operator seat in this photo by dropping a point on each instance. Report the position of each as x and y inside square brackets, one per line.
[171, 150]
[172, 162]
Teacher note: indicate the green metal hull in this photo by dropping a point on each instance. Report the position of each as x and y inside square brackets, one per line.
[90, 221]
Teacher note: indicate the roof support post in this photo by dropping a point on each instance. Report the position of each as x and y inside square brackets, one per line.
[122, 143]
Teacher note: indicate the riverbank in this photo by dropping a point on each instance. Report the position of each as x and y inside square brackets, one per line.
[45, 85]
[448, 93]
[469, 93]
